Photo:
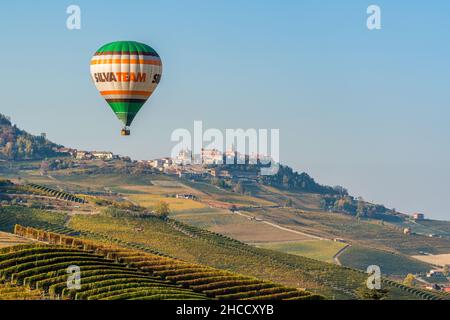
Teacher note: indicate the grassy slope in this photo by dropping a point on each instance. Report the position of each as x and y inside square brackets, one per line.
[427, 227]
[327, 279]
[300, 200]
[315, 249]
[195, 245]
[390, 263]
[218, 194]
[235, 226]
[161, 236]
[363, 232]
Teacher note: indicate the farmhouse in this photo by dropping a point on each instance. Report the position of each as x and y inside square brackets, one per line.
[69, 151]
[83, 155]
[433, 287]
[436, 274]
[418, 216]
[102, 155]
[186, 196]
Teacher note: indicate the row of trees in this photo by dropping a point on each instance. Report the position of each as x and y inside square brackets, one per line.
[287, 178]
[356, 207]
[16, 144]
[119, 210]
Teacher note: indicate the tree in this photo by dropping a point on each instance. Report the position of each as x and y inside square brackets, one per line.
[116, 211]
[162, 209]
[44, 167]
[17, 144]
[9, 150]
[240, 188]
[289, 203]
[340, 190]
[360, 209]
[410, 280]
[286, 181]
[371, 294]
[218, 182]
[445, 271]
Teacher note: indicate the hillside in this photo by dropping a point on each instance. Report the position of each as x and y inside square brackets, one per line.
[174, 240]
[17, 144]
[112, 272]
[286, 230]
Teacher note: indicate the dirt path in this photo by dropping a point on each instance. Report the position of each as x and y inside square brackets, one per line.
[336, 256]
[280, 227]
[10, 239]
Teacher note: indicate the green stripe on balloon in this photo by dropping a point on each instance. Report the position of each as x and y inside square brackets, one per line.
[126, 111]
[127, 46]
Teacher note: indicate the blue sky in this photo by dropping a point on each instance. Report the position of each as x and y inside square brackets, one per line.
[365, 109]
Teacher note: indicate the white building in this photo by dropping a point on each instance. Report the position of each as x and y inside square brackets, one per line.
[103, 155]
[184, 157]
[211, 156]
[83, 155]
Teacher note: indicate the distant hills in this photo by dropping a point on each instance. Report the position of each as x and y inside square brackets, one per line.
[17, 144]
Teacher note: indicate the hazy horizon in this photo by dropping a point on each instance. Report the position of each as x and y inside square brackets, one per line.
[367, 110]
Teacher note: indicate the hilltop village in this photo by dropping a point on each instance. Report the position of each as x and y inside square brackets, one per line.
[211, 162]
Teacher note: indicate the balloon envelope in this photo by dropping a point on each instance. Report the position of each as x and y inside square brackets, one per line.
[126, 73]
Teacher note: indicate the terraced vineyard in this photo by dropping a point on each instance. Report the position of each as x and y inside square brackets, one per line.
[12, 292]
[202, 251]
[50, 221]
[114, 272]
[44, 268]
[8, 239]
[190, 243]
[53, 193]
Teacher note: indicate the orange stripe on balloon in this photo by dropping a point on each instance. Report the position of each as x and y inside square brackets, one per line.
[131, 92]
[126, 61]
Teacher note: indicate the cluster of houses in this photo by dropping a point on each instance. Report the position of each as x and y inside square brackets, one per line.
[170, 166]
[99, 155]
[437, 280]
[90, 155]
[187, 165]
[419, 217]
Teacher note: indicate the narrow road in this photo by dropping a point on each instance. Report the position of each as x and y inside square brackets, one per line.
[280, 227]
[336, 256]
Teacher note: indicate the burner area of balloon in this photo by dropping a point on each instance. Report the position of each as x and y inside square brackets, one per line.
[126, 73]
[125, 131]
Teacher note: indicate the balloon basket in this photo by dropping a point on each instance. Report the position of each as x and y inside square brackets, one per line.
[125, 132]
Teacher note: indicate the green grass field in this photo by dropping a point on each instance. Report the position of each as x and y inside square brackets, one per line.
[218, 194]
[369, 233]
[283, 256]
[199, 246]
[150, 201]
[235, 226]
[323, 250]
[390, 263]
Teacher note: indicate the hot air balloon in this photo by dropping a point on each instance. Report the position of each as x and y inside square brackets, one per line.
[126, 73]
